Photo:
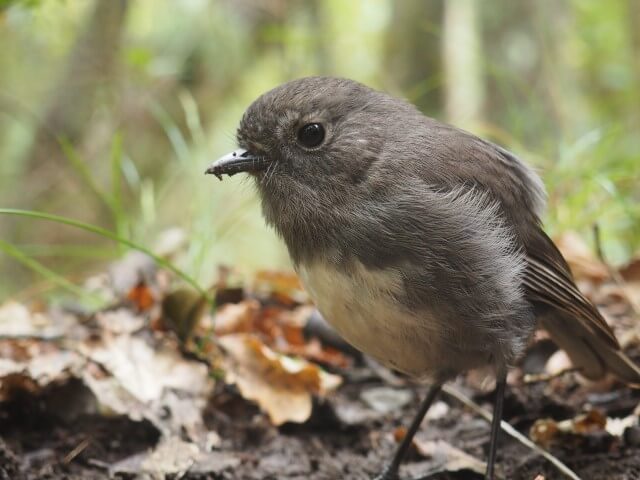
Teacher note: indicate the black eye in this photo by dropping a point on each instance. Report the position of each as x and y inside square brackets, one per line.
[311, 135]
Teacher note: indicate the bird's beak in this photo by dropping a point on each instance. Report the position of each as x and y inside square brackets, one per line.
[237, 161]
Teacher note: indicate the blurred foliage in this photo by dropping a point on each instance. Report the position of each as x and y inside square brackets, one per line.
[111, 109]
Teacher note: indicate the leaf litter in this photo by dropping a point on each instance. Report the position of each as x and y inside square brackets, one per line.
[261, 387]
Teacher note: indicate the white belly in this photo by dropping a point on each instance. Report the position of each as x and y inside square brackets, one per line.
[361, 305]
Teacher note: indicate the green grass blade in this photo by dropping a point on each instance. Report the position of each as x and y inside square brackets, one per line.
[37, 267]
[82, 169]
[110, 235]
[119, 216]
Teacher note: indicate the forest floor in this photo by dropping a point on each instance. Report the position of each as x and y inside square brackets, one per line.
[156, 386]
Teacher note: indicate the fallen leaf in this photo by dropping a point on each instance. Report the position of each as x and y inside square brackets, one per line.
[593, 420]
[280, 385]
[399, 433]
[557, 363]
[385, 399]
[236, 317]
[182, 310]
[172, 456]
[133, 269]
[547, 431]
[16, 321]
[544, 431]
[284, 287]
[352, 413]
[145, 371]
[447, 457]
[120, 321]
[315, 351]
[141, 296]
[37, 366]
[438, 410]
[631, 271]
[617, 426]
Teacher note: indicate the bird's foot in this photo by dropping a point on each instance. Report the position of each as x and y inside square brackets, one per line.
[388, 473]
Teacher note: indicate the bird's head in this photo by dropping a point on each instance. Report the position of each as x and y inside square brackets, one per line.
[318, 132]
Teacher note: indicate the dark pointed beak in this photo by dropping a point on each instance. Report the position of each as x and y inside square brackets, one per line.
[237, 161]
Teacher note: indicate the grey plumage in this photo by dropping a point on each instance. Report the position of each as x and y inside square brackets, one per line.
[451, 220]
[419, 242]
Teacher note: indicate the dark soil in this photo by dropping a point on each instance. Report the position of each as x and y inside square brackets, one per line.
[44, 437]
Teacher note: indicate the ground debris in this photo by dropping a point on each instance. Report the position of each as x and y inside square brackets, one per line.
[157, 384]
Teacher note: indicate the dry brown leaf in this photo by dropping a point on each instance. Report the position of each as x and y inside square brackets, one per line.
[16, 321]
[631, 271]
[37, 372]
[130, 377]
[134, 269]
[141, 296]
[546, 431]
[447, 457]
[236, 317]
[145, 371]
[120, 321]
[172, 456]
[385, 400]
[399, 433]
[591, 421]
[280, 385]
[282, 286]
[557, 363]
[29, 361]
[617, 426]
[183, 310]
[315, 351]
[581, 260]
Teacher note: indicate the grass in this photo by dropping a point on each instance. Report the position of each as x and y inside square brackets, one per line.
[588, 156]
[593, 181]
[39, 268]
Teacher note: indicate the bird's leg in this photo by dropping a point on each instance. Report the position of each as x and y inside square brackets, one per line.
[391, 471]
[501, 382]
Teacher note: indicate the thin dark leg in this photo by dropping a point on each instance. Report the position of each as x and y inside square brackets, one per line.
[501, 382]
[391, 471]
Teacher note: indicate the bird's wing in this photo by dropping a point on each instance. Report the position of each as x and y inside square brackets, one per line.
[547, 277]
[571, 320]
[548, 280]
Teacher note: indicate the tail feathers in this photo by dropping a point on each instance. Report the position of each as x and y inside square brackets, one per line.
[593, 356]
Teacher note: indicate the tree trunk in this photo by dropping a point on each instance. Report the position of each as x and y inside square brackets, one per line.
[464, 86]
[412, 56]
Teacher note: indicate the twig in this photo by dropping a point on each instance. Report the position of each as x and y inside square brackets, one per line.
[615, 275]
[545, 377]
[68, 458]
[452, 392]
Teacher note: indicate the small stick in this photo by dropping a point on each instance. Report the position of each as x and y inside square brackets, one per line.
[68, 458]
[452, 392]
[545, 377]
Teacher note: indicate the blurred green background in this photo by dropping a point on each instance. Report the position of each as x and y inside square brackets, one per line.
[110, 110]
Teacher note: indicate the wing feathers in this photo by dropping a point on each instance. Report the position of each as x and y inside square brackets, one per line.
[554, 289]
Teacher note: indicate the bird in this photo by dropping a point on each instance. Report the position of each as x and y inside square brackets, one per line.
[420, 243]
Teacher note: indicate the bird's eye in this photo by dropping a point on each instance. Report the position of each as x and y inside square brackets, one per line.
[311, 135]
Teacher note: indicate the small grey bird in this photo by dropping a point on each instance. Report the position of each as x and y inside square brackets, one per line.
[419, 242]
